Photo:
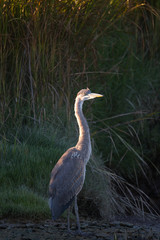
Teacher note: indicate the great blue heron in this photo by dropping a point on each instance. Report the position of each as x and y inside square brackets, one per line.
[68, 175]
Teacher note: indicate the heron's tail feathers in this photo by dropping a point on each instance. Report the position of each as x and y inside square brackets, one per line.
[50, 202]
[56, 208]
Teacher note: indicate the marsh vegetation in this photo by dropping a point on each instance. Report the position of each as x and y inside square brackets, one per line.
[49, 50]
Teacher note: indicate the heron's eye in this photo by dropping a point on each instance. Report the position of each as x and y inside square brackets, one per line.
[88, 91]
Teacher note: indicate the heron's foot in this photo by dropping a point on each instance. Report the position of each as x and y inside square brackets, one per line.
[80, 233]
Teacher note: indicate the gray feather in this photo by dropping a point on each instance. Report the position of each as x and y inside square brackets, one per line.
[67, 179]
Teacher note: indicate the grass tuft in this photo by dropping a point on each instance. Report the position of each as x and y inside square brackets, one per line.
[22, 202]
[26, 163]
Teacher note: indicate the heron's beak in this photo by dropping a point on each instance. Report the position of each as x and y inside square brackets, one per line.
[94, 95]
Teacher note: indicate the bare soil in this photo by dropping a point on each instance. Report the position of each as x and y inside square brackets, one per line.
[122, 229]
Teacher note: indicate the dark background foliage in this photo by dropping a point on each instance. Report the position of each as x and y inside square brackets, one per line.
[49, 50]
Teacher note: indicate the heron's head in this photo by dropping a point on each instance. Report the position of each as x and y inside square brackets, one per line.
[86, 94]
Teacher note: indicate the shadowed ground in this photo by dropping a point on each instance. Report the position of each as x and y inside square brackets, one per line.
[131, 228]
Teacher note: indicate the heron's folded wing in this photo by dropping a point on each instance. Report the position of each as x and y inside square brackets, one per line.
[69, 177]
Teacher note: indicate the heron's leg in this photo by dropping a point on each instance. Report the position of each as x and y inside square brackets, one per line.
[77, 215]
[68, 219]
[78, 232]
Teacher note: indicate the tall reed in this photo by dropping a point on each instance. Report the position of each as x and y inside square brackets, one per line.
[47, 51]
[51, 49]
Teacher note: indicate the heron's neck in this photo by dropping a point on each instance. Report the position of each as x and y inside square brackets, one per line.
[84, 143]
